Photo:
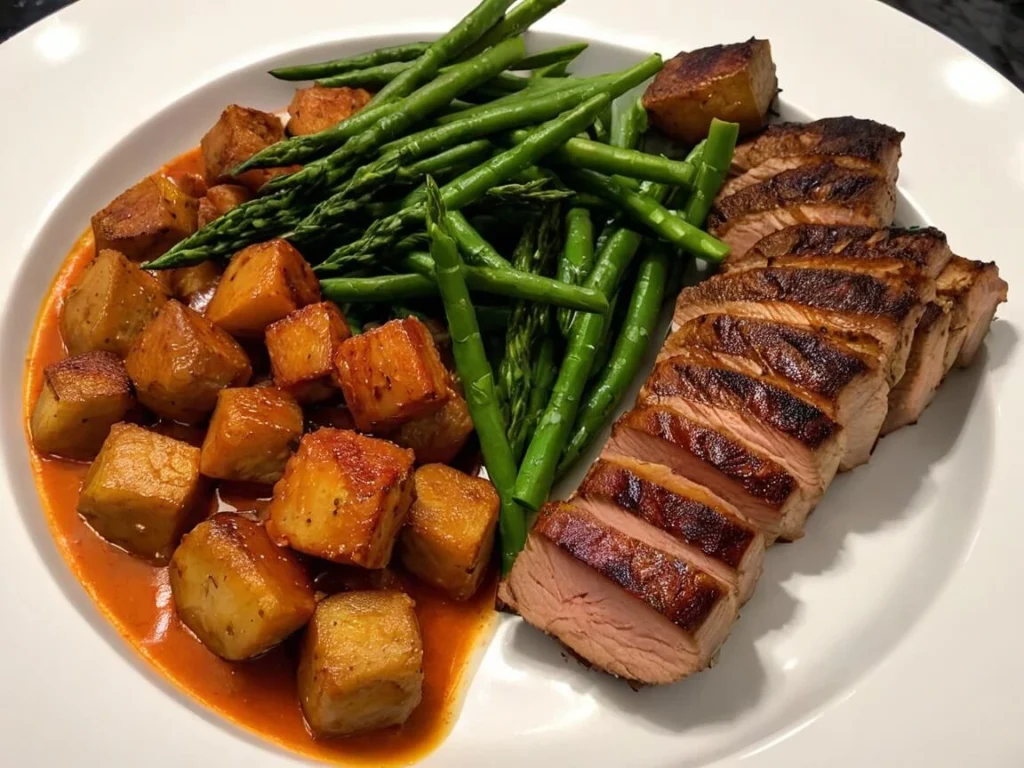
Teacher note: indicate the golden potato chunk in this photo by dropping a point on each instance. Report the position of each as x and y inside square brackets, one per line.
[343, 497]
[238, 591]
[450, 533]
[181, 361]
[82, 398]
[108, 308]
[316, 108]
[361, 664]
[439, 436]
[146, 220]
[196, 285]
[142, 491]
[302, 348]
[237, 135]
[262, 284]
[391, 375]
[731, 82]
[252, 433]
[220, 199]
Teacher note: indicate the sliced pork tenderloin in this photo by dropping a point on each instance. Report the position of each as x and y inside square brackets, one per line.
[925, 369]
[826, 193]
[975, 290]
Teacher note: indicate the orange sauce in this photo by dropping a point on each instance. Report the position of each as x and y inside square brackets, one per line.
[259, 695]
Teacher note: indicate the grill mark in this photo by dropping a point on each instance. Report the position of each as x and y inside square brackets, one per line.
[758, 475]
[832, 136]
[680, 593]
[851, 242]
[701, 526]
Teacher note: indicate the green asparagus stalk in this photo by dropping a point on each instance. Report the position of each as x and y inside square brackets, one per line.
[607, 159]
[405, 52]
[558, 55]
[371, 77]
[558, 69]
[715, 163]
[515, 284]
[468, 32]
[516, 21]
[577, 257]
[471, 186]
[632, 344]
[474, 248]
[382, 288]
[650, 214]
[629, 123]
[476, 375]
[542, 383]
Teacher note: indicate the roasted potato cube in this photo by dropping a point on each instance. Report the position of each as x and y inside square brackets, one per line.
[438, 437]
[196, 285]
[82, 398]
[361, 664]
[391, 375]
[252, 433]
[262, 284]
[142, 491]
[238, 591]
[181, 361]
[237, 135]
[302, 348]
[731, 82]
[316, 108]
[219, 200]
[108, 308]
[146, 220]
[192, 184]
[449, 536]
[343, 497]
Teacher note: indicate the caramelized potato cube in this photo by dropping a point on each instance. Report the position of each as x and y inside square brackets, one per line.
[108, 308]
[252, 433]
[316, 108]
[391, 375]
[181, 361]
[361, 664]
[262, 284]
[142, 491]
[343, 498]
[146, 220]
[238, 591]
[438, 437]
[196, 285]
[450, 533]
[731, 82]
[302, 348]
[82, 398]
[219, 200]
[237, 135]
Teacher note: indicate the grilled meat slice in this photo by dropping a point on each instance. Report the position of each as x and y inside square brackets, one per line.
[760, 489]
[617, 600]
[850, 142]
[835, 371]
[732, 82]
[709, 530]
[888, 308]
[861, 249]
[925, 369]
[975, 290]
[826, 193]
[799, 436]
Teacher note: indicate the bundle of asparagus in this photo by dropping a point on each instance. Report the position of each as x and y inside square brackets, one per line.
[531, 162]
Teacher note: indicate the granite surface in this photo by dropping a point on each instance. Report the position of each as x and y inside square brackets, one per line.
[993, 29]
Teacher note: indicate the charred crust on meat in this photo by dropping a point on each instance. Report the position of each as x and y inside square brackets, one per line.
[846, 136]
[897, 243]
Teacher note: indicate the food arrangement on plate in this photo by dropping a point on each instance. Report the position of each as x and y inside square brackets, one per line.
[264, 381]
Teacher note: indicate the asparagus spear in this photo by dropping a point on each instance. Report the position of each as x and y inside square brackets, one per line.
[651, 214]
[558, 69]
[603, 158]
[542, 380]
[717, 156]
[577, 257]
[474, 248]
[477, 376]
[466, 33]
[516, 284]
[405, 52]
[559, 54]
[473, 184]
[629, 123]
[515, 23]
[382, 288]
[626, 357]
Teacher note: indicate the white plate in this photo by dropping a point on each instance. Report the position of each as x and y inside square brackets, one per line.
[888, 636]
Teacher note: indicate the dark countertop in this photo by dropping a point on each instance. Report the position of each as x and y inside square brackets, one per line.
[993, 29]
